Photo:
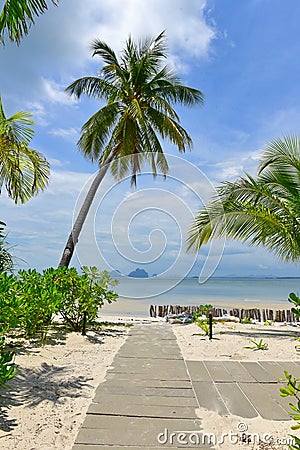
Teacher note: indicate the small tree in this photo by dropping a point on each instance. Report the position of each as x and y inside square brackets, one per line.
[82, 295]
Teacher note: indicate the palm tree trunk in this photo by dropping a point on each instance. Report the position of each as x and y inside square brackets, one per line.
[73, 238]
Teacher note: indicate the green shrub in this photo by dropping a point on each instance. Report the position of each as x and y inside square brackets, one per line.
[83, 294]
[204, 325]
[40, 300]
[29, 300]
[10, 303]
[293, 298]
[203, 310]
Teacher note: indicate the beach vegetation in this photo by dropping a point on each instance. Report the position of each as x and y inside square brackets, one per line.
[268, 322]
[295, 300]
[8, 369]
[139, 91]
[246, 320]
[30, 300]
[203, 310]
[204, 325]
[83, 295]
[260, 345]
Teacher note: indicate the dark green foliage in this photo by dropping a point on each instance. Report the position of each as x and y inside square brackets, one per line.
[202, 311]
[10, 303]
[83, 294]
[39, 298]
[29, 300]
[293, 298]
[7, 367]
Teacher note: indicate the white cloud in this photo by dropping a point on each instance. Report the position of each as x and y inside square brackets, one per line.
[54, 92]
[234, 167]
[38, 112]
[60, 40]
[57, 162]
[68, 134]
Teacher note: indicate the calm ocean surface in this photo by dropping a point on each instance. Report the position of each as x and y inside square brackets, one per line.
[136, 295]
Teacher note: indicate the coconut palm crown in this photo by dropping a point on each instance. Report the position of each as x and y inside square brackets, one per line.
[262, 210]
[23, 171]
[139, 92]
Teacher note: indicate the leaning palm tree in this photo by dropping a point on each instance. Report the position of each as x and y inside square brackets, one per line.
[17, 16]
[262, 210]
[23, 171]
[123, 134]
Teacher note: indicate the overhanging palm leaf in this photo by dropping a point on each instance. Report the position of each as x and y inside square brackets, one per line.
[18, 15]
[23, 171]
[127, 132]
[264, 210]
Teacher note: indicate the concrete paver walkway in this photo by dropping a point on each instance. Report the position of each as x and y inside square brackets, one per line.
[148, 391]
[151, 392]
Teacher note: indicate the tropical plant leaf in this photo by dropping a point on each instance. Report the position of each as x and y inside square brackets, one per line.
[17, 16]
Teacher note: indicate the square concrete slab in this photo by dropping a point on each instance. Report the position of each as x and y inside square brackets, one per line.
[209, 398]
[260, 396]
[198, 371]
[292, 367]
[238, 372]
[258, 372]
[274, 368]
[236, 401]
[217, 371]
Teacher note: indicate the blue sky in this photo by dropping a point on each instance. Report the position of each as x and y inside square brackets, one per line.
[244, 56]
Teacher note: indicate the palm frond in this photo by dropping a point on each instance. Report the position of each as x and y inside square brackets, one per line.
[170, 129]
[262, 210]
[96, 131]
[23, 171]
[92, 87]
[17, 16]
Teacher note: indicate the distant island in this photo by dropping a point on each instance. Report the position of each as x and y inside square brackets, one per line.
[138, 273]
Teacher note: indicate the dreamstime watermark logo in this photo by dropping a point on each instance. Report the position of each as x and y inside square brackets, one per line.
[240, 435]
[148, 227]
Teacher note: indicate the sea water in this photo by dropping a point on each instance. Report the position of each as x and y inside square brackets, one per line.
[136, 295]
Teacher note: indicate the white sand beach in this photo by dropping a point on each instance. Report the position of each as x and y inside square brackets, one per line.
[56, 383]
